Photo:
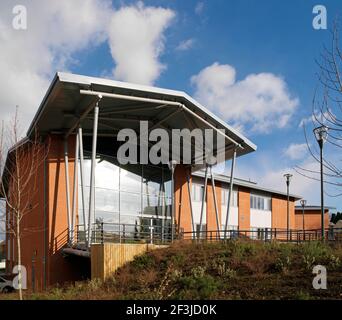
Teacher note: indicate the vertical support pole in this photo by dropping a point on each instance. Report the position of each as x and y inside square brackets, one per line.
[204, 196]
[172, 167]
[92, 174]
[215, 200]
[66, 164]
[322, 192]
[80, 137]
[173, 205]
[151, 231]
[288, 209]
[164, 212]
[74, 204]
[230, 192]
[190, 202]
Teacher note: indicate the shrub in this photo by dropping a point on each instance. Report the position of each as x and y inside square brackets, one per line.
[222, 269]
[308, 261]
[283, 264]
[317, 250]
[178, 259]
[198, 272]
[334, 262]
[197, 288]
[143, 261]
[244, 248]
[302, 295]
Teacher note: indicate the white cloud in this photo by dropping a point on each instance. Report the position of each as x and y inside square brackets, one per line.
[267, 173]
[29, 58]
[185, 45]
[199, 7]
[59, 32]
[322, 117]
[259, 102]
[136, 37]
[296, 151]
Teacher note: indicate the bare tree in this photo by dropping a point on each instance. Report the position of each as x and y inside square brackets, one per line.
[327, 111]
[20, 160]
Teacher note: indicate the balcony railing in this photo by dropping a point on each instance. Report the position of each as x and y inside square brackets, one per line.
[282, 235]
[126, 233]
[131, 233]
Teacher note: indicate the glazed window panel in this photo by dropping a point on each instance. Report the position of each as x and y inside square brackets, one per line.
[260, 202]
[225, 195]
[197, 192]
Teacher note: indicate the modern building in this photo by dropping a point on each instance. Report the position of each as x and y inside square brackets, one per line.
[78, 181]
[253, 208]
[80, 197]
[310, 217]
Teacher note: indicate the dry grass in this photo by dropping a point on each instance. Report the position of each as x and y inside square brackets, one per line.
[232, 270]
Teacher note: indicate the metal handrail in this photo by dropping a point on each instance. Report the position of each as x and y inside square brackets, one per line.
[122, 233]
[293, 235]
[103, 232]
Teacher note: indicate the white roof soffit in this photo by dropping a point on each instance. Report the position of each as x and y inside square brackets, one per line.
[123, 105]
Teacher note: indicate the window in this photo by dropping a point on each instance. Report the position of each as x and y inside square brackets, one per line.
[260, 202]
[197, 192]
[224, 198]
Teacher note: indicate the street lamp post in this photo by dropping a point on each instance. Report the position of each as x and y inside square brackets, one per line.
[303, 203]
[321, 134]
[288, 177]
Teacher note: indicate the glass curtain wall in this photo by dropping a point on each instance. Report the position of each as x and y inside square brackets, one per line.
[131, 201]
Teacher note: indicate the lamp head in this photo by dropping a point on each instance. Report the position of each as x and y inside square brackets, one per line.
[288, 177]
[303, 203]
[321, 134]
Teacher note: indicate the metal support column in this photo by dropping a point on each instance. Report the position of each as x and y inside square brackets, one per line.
[67, 187]
[74, 197]
[92, 174]
[80, 138]
[172, 167]
[190, 202]
[204, 196]
[230, 192]
[215, 201]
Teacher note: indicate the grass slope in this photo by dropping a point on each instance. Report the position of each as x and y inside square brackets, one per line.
[232, 270]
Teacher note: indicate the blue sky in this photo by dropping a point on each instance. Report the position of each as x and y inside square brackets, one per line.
[261, 37]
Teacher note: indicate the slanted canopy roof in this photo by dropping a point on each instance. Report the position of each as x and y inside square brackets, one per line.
[71, 99]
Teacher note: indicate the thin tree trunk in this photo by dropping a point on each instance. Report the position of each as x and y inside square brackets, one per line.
[20, 287]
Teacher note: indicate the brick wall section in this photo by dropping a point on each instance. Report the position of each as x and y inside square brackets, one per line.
[182, 204]
[279, 213]
[244, 208]
[60, 269]
[211, 213]
[31, 225]
[312, 219]
[41, 247]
